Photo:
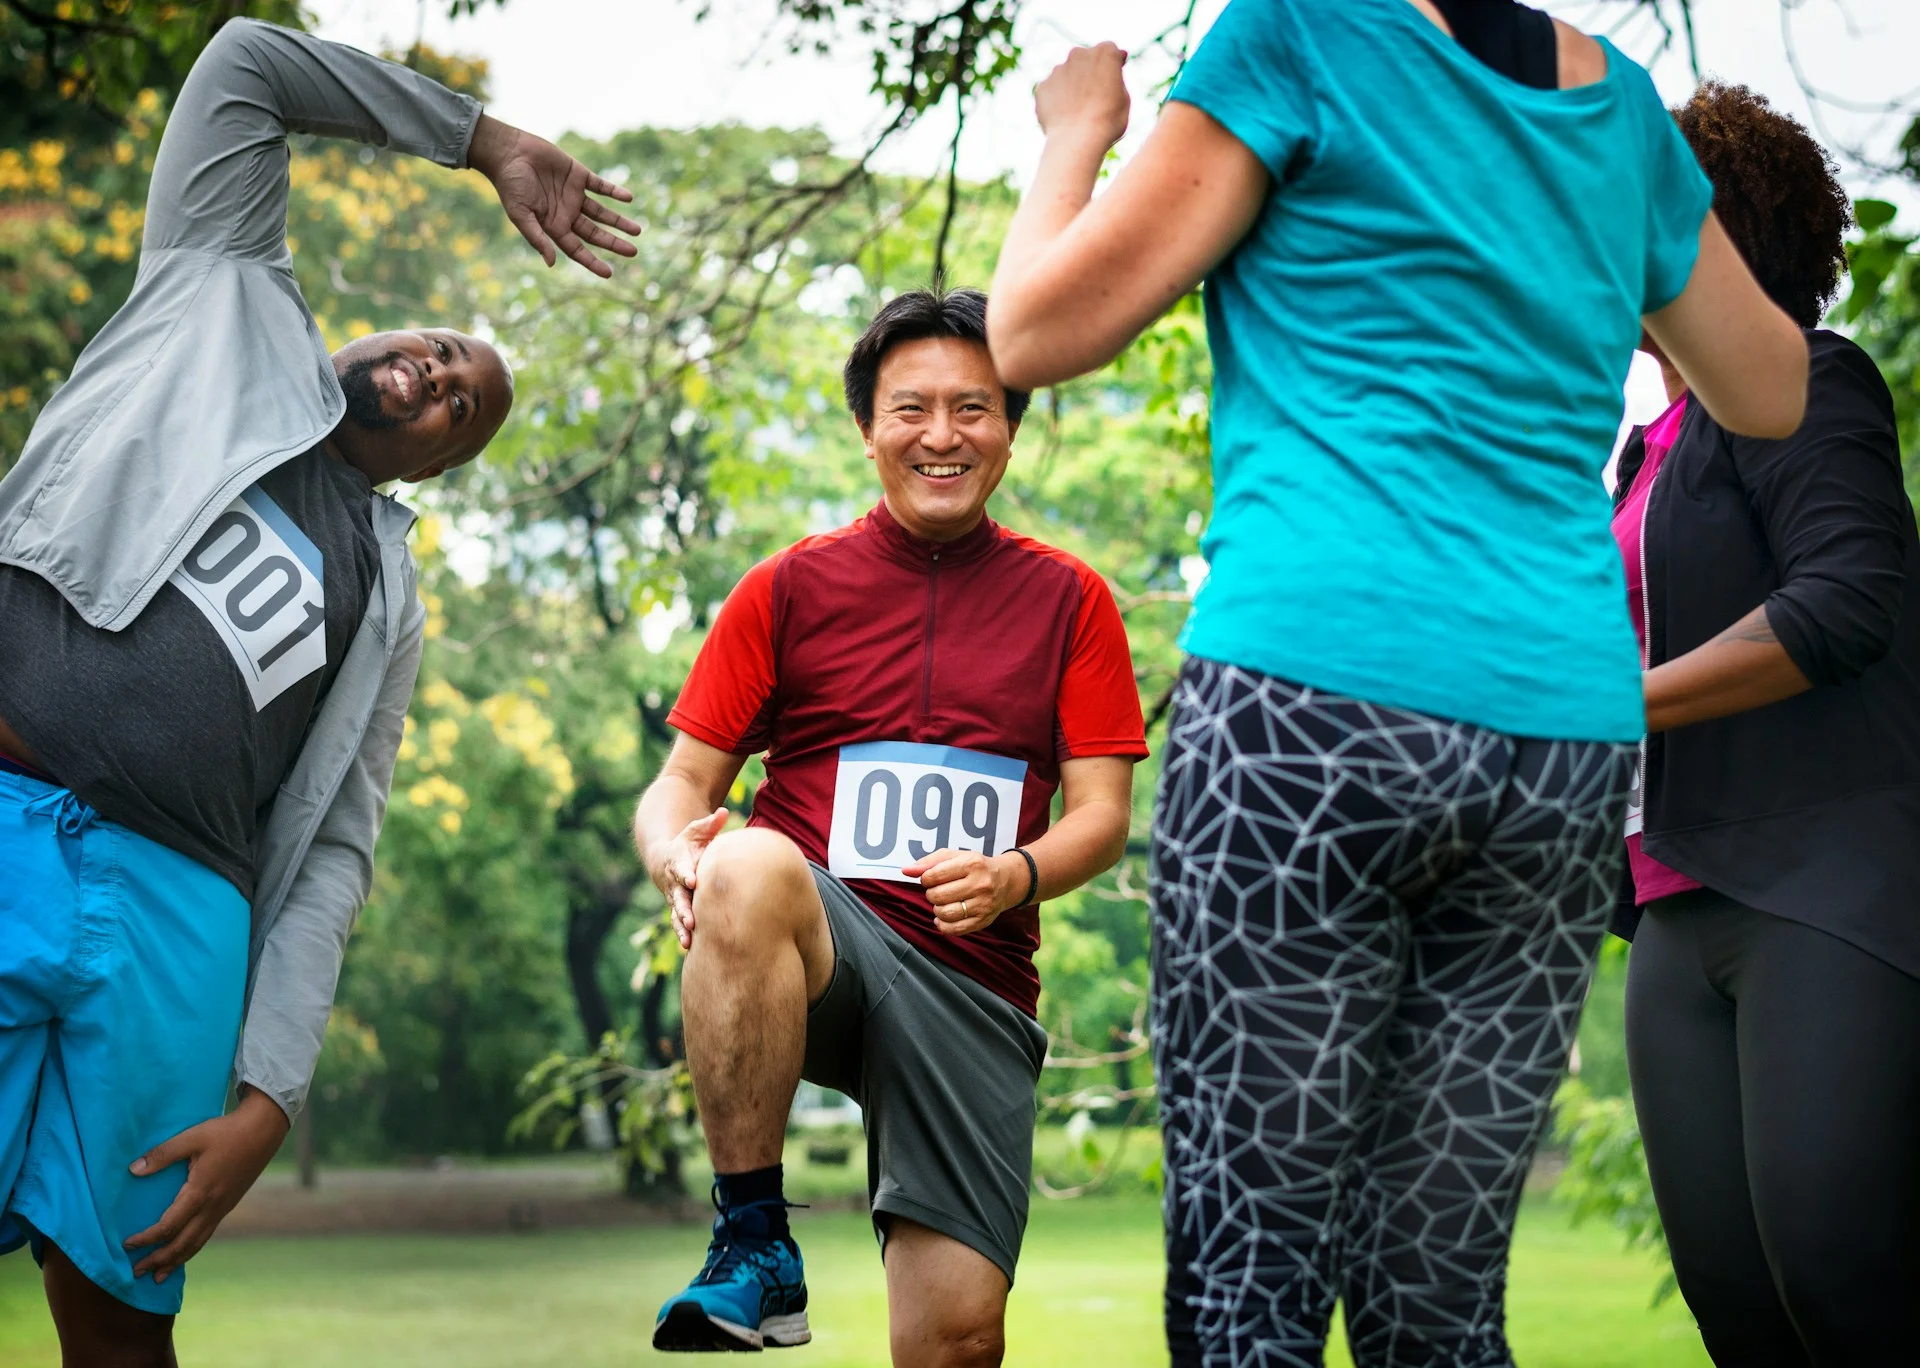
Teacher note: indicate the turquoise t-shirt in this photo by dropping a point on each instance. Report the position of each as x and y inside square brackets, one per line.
[1419, 353]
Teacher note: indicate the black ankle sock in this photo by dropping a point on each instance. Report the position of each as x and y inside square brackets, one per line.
[757, 1185]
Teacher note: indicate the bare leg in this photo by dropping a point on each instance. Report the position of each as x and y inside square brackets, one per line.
[761, 953]
[946, 1303]
[97, 1329]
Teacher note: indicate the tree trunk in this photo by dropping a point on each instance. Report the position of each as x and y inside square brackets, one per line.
[588, 923]
[664, 1186]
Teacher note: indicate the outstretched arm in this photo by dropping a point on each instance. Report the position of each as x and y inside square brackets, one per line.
[220, 179]
[1079, 277]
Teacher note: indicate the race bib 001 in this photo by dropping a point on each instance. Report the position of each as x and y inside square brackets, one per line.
[895, 802]
[257, 578]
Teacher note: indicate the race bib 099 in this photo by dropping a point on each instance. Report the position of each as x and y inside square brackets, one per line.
[257, 578]
[895, 802]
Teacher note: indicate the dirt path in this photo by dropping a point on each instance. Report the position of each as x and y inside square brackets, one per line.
[451, 1199]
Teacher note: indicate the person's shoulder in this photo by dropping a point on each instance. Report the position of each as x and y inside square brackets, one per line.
[1582, 56]
[1824, 344]
[1089, 579]
[1837, 366]
[814, 544]
[840, 538]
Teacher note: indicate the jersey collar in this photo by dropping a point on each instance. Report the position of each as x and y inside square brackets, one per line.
[919, 551]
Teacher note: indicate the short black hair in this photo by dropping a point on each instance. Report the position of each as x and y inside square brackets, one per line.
[911, 317]
[1777, 192]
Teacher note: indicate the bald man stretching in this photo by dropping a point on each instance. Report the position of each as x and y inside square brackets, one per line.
[208, 637]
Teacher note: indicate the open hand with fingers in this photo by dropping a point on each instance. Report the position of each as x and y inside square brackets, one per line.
[545, 193]
[675, 869]
[969, 890]
[224, 1157]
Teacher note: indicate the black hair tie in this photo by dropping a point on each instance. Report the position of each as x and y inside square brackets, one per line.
[1033, 876]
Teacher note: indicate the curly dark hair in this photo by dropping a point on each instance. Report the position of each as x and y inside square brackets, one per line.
[1777, 193]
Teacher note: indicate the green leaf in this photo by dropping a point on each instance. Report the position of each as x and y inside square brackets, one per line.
[1873, 214]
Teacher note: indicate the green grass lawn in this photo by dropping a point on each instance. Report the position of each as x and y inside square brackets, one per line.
[1089, 1294]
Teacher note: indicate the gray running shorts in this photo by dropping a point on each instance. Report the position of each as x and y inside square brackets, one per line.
[944, 1070]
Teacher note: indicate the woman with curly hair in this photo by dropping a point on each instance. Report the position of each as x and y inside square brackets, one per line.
[1773, 996]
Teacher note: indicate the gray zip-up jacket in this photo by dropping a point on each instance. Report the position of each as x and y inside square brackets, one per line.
[210, 375]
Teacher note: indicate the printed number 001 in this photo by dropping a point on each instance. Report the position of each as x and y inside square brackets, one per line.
[932, 790]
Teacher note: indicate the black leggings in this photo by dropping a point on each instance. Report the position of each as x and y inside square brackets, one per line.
[1776, 1070]
[1372, 933]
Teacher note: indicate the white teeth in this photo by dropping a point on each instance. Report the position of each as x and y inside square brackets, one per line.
[939, 470]
[402, 382]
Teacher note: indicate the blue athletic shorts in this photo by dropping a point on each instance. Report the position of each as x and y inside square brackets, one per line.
[122, 969]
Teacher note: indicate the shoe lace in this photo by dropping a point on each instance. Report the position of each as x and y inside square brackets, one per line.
[731, 1247]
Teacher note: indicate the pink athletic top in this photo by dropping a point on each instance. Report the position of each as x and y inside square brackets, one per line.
[1651, 879]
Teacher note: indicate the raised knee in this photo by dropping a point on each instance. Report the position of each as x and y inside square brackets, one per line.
[747, 884]
[955, 1343]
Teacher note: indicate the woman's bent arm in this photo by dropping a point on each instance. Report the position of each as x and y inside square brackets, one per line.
[1744, 667]
[1739, 353]
[1078, 277]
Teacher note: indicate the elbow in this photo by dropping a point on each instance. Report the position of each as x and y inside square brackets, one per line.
[1018, 357]
[237, 37]
[1773, 417]
[1860, 652]
[1115, 847]
[1772, 401]
[1841, 641]
[1033, 347]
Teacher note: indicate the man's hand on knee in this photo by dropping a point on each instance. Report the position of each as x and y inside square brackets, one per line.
[675, 868]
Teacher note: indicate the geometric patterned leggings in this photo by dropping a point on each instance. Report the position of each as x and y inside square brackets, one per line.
[1373, 931]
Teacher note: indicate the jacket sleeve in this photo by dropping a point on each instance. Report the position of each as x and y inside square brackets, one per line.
[299, 964]
[1836, 517]
[220, 178]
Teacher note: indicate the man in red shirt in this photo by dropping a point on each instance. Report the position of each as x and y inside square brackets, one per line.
[923, 681]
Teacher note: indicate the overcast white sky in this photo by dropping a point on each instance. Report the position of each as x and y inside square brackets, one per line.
[598, 66]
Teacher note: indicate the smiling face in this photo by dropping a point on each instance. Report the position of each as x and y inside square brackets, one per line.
[418, 403]
[940, 435]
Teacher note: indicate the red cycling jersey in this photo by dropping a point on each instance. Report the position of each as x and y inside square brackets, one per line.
[992, 643]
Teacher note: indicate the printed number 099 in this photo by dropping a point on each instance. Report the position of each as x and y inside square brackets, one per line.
[933, 812]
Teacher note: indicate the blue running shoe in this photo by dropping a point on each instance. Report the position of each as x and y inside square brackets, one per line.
[751, 1295]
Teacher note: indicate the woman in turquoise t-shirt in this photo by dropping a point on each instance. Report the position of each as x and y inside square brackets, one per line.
[1395, 776]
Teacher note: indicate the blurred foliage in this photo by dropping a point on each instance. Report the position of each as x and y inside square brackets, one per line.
[1882, 308]
[1601, 1058]
[1606, 1172]
[652, 1108]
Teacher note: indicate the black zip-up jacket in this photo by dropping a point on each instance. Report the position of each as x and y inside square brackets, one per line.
[1808, 808]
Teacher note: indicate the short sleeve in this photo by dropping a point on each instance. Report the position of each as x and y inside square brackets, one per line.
[1251, 74]
[1678, 198]
[733, 676]
[1099, 705]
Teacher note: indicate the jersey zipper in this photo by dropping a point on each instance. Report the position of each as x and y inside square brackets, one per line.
[926, 663]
